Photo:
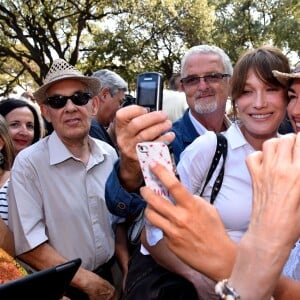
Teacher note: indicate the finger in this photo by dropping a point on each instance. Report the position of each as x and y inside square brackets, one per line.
[169, 180]
[296, 150]
[285, 148]
[130, 112]
[269, 150]
[150, 129]
[157, 219]
[157, 202]
[166, 138]
[253, 162]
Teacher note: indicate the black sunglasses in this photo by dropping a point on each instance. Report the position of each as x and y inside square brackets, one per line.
[59, 101]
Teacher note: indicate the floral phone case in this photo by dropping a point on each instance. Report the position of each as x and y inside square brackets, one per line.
[147, 152]
[154, 151]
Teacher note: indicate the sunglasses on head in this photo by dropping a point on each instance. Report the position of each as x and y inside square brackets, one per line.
[59, 101]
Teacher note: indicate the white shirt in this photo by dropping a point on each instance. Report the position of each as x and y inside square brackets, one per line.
[193, 167]
[292, 267]
[55, 197]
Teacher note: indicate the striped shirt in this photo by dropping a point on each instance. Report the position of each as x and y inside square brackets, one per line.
[3, 202]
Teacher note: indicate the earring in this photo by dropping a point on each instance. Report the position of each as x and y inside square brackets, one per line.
[1, 158]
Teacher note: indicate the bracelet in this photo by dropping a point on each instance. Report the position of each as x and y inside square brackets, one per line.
[225, 291]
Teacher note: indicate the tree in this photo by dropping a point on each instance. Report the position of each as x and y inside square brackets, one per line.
[133, 36]
[244, 24]
[34, 33]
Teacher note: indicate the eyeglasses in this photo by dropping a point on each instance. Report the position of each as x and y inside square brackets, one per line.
[59, 101]
[210, 78]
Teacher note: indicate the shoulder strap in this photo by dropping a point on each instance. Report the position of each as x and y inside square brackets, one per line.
[221, 149]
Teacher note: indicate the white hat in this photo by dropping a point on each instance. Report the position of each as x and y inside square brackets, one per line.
[60, 70]
[294, 74]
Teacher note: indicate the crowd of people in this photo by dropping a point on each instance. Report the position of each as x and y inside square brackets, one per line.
[77, 190]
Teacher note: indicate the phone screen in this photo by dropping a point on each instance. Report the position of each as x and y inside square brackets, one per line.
[149, 90]
[147, 94]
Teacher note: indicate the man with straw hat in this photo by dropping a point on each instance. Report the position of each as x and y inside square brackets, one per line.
[57, 209]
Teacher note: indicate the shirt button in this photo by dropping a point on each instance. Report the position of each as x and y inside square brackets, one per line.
[121, 205]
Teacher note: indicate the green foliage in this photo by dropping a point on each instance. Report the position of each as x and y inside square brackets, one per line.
[248, 23]
[133, 36]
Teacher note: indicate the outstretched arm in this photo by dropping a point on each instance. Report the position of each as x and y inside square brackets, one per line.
[192, 228]
[273, 230]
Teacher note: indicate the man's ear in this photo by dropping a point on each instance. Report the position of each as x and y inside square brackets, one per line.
[95, 104]
[105, 93]
[45, 112]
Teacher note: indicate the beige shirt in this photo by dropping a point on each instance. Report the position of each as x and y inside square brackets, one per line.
[54, 197]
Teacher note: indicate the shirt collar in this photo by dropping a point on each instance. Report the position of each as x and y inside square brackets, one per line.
[58, 152]
[198, 126]
[201, 129]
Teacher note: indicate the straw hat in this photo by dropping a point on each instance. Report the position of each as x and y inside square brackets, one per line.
[60, 70]
[294, 74]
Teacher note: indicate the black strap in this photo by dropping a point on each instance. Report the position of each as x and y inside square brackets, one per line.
[221, 149]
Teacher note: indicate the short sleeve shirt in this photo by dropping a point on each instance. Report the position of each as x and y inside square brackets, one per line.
[55, 197]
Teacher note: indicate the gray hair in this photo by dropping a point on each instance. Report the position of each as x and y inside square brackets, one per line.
[206, 49]
[111, 80]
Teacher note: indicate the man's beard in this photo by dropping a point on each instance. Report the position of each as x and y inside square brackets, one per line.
[205, 107]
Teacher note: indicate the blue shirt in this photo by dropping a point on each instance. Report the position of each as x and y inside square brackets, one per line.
[185, 133]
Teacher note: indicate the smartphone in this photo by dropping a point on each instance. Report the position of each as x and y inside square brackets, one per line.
[154, 151]
[150, 90]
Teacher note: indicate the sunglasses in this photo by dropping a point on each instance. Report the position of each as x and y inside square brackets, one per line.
[59, 101]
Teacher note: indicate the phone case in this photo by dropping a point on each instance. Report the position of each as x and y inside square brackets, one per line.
[147, 152]
[154, 151]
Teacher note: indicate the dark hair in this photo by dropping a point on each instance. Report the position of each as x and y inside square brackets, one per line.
[9, 104]
[262, 61]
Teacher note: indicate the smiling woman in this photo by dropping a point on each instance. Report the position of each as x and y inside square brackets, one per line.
[259, 101]
[23, 122]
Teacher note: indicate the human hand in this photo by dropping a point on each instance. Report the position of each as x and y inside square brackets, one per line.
[94, 286]
[135, 124]
[274, 225]
[275, 173]
[192, 228]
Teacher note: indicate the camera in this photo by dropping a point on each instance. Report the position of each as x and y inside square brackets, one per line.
[150, 90]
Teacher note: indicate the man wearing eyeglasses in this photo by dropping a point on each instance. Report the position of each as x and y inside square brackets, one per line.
[205, 74]
[57, 208]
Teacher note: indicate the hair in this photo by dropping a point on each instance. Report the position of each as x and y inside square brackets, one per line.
[207, 49]
[262, 61]
[111, 80]
[9, 104]
[8, 150]
[172, 81]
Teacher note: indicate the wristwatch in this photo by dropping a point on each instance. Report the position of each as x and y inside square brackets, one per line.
[225, 291]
